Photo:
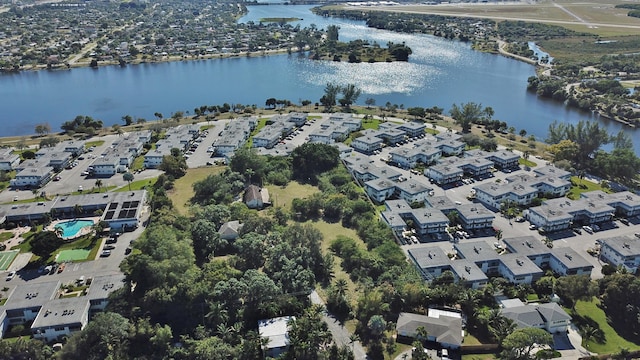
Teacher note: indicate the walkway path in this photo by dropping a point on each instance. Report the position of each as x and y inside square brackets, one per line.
[340, 334]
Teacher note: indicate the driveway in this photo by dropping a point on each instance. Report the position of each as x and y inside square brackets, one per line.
[340, 334]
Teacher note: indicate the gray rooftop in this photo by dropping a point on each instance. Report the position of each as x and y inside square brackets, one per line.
[62, 312]
[380, 184]
[32, 171]
[31, 295]
[478, 250]
[551, 170]
[393, 219]
[520, 265]
[399, 206]
[468, 270]
[526, 245]
[412, 187]
[102, 286]
[441, 202]
[429, 215]
[474, 211]
[429, 256]
[627, 246]
[570, 258]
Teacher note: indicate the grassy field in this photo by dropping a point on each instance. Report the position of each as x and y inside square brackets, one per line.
[526, 162]
[613, 342]
[282, 196]
[183, 189]
[582, 186]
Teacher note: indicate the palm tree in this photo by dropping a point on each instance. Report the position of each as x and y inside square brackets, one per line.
[422, 334]
[353, 338]
[128, 177]
[77, 210]
[341, 287]
[99, 185]
[588, 333]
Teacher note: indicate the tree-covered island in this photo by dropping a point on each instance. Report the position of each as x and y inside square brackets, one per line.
[357, 50]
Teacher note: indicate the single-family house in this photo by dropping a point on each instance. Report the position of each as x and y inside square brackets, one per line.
[441, 327]
[275, 332]
[230, 230]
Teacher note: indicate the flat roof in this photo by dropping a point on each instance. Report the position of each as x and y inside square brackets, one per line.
[474, 211]
[429, 256]
[62, 311]
[393, 218]
[526, 245]
[468, 270]
[102, 286]
[478, 250]
[624, 245]
[570, 258]
[276, 330]
[551, 170]
[520, 265]
[429, 215]
[32, 294]
[412, 187]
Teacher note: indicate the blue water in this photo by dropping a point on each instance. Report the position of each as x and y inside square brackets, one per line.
[72, 227]
[440, 73]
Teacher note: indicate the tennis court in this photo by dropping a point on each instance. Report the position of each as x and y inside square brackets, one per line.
[6, 258]
[72, 255]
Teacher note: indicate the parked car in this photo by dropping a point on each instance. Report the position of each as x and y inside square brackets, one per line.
[577, 230]
[637, 235]
[624, 221]
[587, 229]
[111, 240]
[108, 247]
[61, 267]
[532, 227]
[11, 275]
[105, 253]
[519, 219]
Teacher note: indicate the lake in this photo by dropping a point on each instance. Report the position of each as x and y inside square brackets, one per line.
[439, 73]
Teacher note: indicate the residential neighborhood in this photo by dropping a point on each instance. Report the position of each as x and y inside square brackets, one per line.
[450, 209]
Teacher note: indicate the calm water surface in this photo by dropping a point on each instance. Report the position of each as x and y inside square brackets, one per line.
[439, 73]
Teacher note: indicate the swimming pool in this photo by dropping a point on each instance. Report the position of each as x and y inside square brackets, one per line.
[71, 228]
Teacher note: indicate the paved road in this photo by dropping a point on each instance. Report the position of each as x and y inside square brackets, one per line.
[340, 334]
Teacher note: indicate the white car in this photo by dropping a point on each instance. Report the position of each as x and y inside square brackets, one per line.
[11, 275]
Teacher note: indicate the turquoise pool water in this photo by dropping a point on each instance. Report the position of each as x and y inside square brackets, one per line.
[72, 227]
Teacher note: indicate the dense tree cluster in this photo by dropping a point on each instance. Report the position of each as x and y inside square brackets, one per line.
[580, 145]
[82, 124]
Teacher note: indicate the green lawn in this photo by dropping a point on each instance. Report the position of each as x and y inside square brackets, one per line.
[479, 357]
[582, 186]
[94, 143]
[526, 162]
[613, 342]
[182, 191]
[371, 124]
[137, 185]
[138, 163]
[282, 196]
[6, 236]
[262, 122]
